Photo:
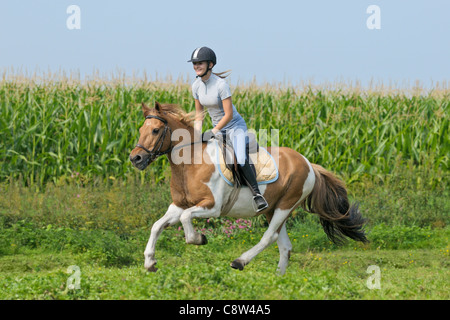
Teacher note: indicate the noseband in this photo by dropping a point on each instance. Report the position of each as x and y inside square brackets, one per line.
[156, 151]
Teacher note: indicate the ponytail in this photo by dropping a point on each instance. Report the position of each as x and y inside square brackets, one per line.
[223, 75]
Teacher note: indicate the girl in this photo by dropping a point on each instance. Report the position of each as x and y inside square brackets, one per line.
[211, 91]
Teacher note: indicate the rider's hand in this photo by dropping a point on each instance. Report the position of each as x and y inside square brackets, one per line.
[207, 135]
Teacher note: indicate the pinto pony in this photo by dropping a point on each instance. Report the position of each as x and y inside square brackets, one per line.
[199, 191]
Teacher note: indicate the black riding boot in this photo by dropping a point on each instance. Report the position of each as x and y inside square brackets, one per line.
[249, 174]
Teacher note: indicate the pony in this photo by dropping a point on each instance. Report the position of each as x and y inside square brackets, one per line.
[199, 191]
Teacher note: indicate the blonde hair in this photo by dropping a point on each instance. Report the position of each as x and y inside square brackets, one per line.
[222, 75]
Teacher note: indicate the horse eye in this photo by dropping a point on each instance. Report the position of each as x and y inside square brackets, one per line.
[155, 131]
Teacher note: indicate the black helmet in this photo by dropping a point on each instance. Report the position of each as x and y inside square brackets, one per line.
[203, 54]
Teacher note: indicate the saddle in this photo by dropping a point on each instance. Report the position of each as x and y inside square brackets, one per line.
[226, 162]
[265, 166]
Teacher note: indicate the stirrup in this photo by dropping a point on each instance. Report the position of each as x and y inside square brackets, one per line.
[254, 203]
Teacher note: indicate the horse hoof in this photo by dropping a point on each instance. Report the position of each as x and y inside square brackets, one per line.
[152, 268]
[237, 264]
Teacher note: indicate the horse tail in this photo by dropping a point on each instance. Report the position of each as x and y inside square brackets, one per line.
[330, 201]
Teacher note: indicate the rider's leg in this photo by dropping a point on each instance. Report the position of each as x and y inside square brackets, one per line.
[240, 141]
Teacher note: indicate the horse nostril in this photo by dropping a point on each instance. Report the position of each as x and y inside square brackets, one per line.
[136, 159]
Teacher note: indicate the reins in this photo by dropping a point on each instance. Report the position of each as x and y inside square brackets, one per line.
[156, 151]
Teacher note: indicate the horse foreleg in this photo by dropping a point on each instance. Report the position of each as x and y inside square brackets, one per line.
[171, 217]
[269, 237]
[285, 247]
[193, 237]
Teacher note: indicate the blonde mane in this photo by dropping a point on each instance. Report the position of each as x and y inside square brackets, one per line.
[174, 110]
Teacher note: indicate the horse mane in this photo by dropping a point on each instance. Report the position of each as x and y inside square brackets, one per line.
[187, 118]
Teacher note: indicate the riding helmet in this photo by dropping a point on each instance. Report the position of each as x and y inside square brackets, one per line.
[203, 54]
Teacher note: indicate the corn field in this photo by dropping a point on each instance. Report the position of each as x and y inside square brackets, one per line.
[58, 130]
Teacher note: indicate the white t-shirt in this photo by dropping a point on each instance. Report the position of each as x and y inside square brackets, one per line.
[210, 94]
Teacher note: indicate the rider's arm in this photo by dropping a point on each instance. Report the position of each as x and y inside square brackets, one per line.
[199, 115]
[228, 109]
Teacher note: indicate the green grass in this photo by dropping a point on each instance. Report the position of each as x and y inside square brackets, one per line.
[192, 272]
[105, 230]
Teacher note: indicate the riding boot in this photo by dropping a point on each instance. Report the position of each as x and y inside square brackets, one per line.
[249, 175]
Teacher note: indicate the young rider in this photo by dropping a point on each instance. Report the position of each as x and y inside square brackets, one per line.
[212, 92]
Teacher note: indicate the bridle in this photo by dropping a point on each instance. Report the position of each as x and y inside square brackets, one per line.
[156, 151]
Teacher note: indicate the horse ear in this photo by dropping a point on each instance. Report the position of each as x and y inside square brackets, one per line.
[157, 106]
[145, 109]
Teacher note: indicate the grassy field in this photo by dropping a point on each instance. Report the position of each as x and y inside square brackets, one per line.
[70, 197]
[104, 229]
[204, 273]
[414, 264]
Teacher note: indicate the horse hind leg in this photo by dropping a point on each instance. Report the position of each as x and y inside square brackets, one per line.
[269, 237]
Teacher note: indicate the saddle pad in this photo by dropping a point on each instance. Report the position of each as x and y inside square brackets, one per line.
[265, 166]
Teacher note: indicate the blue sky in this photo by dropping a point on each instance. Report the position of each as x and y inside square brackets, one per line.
[270, 41]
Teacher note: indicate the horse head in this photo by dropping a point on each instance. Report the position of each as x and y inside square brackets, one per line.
[154, 137]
